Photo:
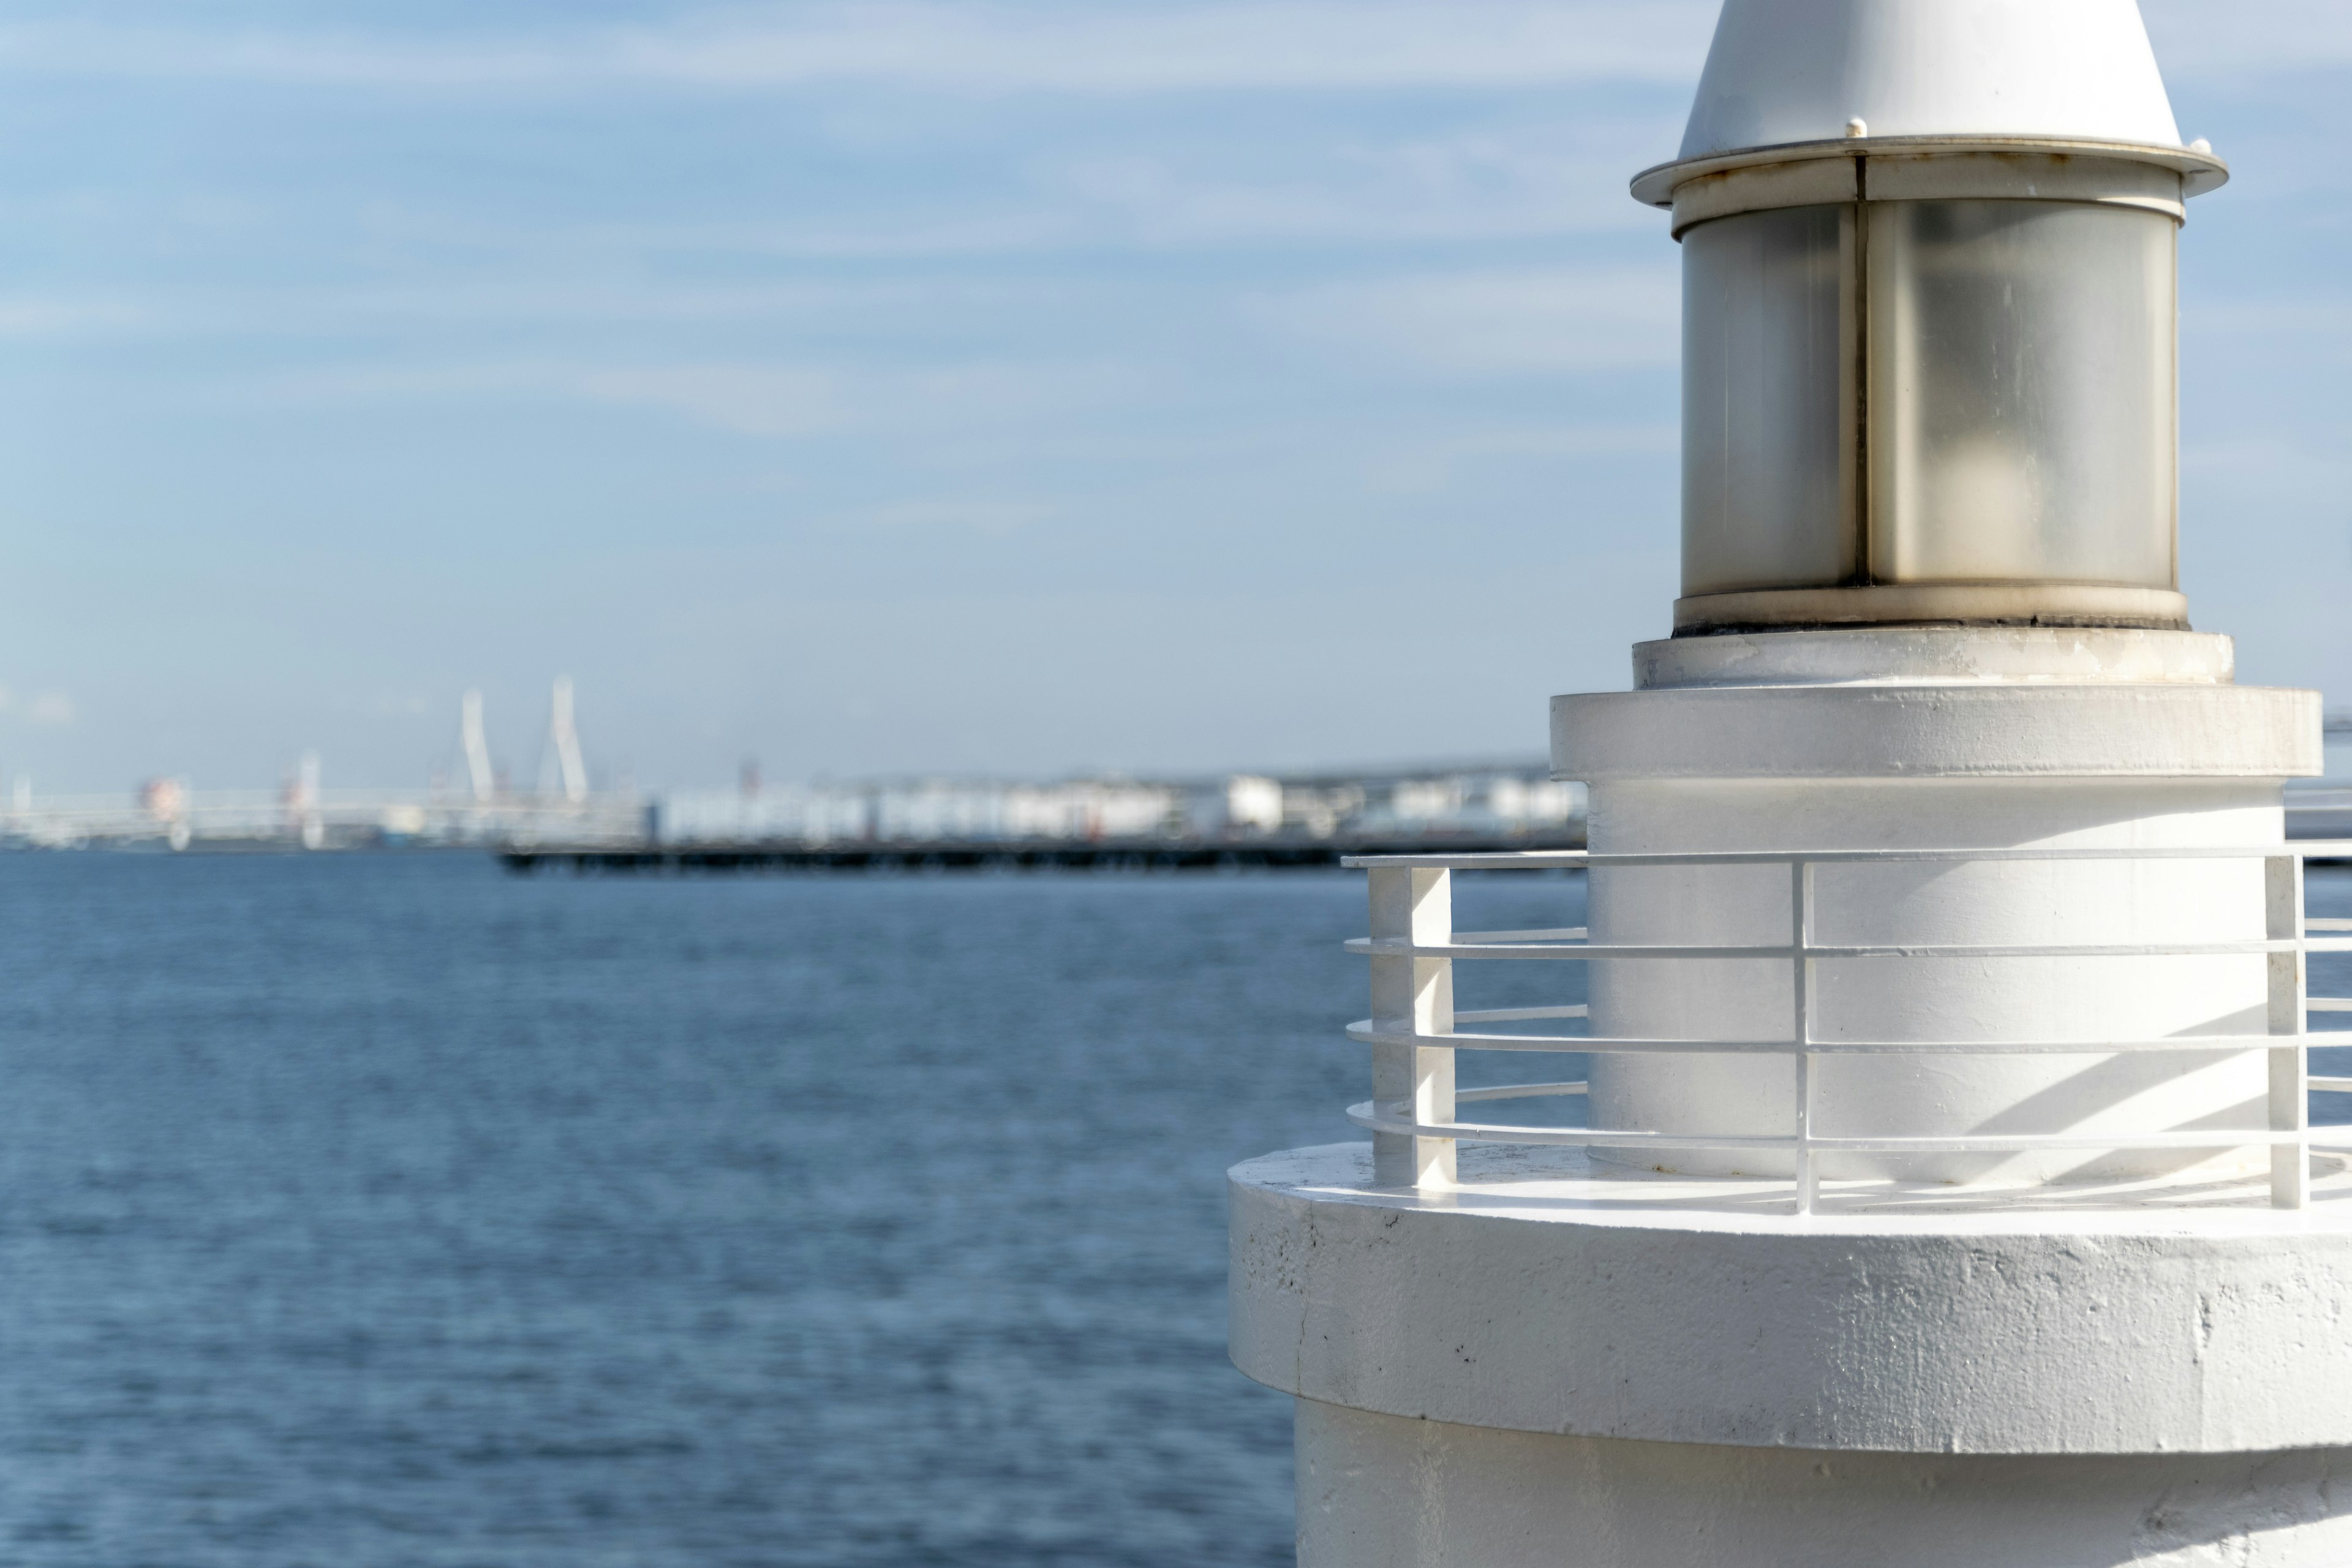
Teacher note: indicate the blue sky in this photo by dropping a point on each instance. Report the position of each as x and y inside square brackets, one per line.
[1009, 387]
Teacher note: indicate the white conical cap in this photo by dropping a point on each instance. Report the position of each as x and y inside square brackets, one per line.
[1803, 70]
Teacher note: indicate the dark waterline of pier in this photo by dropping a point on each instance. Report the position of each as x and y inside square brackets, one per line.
[1282, 852]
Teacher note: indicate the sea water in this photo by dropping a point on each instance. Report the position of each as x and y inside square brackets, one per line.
[372, 1210]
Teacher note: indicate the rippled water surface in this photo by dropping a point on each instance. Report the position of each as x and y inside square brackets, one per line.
[384, 1210]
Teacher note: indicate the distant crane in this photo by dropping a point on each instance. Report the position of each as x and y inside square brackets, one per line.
[564, 737]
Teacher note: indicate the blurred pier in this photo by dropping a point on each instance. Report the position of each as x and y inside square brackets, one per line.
[917, 856]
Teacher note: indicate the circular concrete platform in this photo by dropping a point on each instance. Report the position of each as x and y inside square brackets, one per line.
[1551, 1294]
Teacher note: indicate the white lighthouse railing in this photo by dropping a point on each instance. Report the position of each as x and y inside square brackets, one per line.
[1415, 1030]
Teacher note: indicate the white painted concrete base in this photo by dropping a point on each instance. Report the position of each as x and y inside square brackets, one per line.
[1927, 656]
[1914, 1378]
[1547, 1292]
[1383, 1492]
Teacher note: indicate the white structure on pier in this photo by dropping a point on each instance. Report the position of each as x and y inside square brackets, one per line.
[1947, 1194]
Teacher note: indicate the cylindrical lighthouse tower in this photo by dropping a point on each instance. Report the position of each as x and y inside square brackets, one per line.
[1947, 1194]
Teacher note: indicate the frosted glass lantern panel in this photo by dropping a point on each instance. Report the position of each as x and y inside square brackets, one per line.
[1767, 453]
[2021, 392]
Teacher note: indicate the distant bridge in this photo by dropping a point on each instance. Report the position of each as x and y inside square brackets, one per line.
[318, 819]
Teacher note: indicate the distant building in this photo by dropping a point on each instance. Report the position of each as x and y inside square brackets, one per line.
[1485, 801]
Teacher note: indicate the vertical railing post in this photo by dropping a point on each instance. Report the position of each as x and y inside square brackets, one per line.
[2290, 1096]
[1416, 996]
[1800, 940]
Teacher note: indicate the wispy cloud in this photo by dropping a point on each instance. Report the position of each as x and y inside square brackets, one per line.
[262, 313]
[2196, 39]
[751, 400]
[2303, 316]
[1491, 183]
[1530, 319]
[54, 316]
[1057, 46]
[996, 518]
[785, 400]
[51, 708]
[765, 400]
[1432, 463]
[2270, 460]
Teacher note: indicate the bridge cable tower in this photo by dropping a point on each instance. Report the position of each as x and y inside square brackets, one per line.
[476, 750]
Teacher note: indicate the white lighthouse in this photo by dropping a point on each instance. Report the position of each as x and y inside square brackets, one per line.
[1947, 1194]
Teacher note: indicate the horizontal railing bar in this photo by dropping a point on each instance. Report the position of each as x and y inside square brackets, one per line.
[1562, 933]
[1522, 1014]
[1521, 1091]
[2330, 1085]
[2249, 1139]
[1586, 953]
[1491, 860]
[1363, 1032]
[1367, 1115]
[2328, 1004]
[1546, 860]
[2326, 922]
[2027, 1142]
[1364, 1115]
[1399, 947]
